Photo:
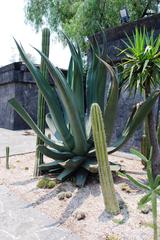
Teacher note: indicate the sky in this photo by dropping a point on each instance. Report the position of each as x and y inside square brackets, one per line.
[12, 24]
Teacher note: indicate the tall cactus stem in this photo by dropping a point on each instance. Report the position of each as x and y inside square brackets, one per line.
[41, 102]
[105, 175]
[7, 157]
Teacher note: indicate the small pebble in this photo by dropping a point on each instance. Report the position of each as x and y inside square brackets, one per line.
[61, 195]
[68, 194]
[80, 216]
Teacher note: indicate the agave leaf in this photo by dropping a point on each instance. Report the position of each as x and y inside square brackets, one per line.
[73, 163]
[49, 166]
[91, 165]
[137, 118]
[77, 77]
[65, 174]
[21, 111]
[50, 123]
[81, 177]
[50, 96]
[112, 104]
[92, 78]
[51, 153]
[134, 181]
[145, 199]
[70, 105]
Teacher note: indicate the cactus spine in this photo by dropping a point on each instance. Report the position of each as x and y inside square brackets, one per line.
[41, 101]
[105, 175]
[7, 157]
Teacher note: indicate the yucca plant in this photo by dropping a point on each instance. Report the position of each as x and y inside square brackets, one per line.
[142, 73]
[152, 188]
[69, 101]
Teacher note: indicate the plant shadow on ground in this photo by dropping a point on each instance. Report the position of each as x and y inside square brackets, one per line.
[75, 202]
[25, 182]
[123, 211]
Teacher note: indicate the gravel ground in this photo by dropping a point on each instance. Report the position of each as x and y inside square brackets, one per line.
[130, 224]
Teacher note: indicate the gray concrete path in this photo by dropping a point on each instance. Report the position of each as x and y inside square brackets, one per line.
[22, 141]
[18, 222]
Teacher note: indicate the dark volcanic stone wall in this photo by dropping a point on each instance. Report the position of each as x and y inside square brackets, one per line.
[16, 81]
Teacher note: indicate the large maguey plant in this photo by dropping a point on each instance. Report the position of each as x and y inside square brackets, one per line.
[142, 73]
[69, 101]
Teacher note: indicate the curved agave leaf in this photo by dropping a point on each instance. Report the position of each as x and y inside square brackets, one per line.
[70, 105]
[21, 111]
[81, 177]
[50, 96]
[137, 118]
[112, 104]
[77, 84]
[65, 174]
[54, 154]
[73, 163]
[50, 166]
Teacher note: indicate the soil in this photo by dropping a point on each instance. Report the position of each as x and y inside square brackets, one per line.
[97, 224]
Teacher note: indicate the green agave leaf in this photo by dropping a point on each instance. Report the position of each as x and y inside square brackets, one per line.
[92, 78]
[50, 123]
[51, 153]
[21, 111]
[81, 177]
[50, 95]
[91, 165]
[50, 166]
[77, 77]
[65, 174]
[137, 118]
[145, 200]
[70, 105]
[73, 163]
[112, 104]
[134, 181]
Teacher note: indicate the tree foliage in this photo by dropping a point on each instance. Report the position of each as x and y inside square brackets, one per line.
[81, 18]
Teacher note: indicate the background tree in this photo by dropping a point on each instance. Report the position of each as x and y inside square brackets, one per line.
[79, 18]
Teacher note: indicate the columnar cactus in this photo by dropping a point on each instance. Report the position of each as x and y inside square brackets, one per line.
[7, 157]
[41, 101]
[106, 179]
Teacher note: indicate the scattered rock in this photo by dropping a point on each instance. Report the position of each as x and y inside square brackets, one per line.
[26, 168]
[126, 188]
[112, 237]
[61, 195]
[80, 215]
[68, 194]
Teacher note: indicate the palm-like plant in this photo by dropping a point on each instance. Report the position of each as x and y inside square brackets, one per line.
[142, 73]
[69, 103]
[152, 188]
